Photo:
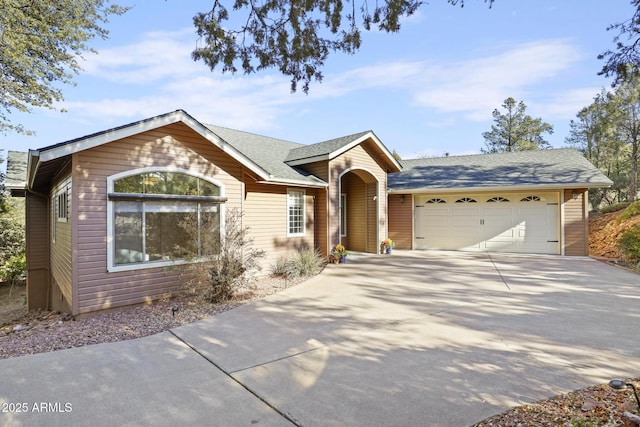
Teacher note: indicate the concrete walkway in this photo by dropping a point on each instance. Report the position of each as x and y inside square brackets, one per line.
[414, 338]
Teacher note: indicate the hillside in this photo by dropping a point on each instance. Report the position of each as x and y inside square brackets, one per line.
[605, 231]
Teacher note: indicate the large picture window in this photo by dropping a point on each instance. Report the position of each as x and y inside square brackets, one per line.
[161, 217]
[295, 213]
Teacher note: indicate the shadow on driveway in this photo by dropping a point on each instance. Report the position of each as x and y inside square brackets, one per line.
[413, 338]
[429, 338]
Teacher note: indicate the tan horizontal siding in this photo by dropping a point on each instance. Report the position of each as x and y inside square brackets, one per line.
[173, 146]
[576, 225]
[320, 222]
[318, 169]
[37, 229]
[360, 157]
[355, 238]
[61, 247]
[372, 217]
[38, 251]
[401, 220]
[265, 213]
[152, 280]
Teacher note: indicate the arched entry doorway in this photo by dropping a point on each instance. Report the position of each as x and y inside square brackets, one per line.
[359, 210]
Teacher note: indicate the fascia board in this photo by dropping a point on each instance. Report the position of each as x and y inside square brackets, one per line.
[307, 160]
[363, 138]
[430, 190]
[146, 125]
[294, 183]
[345, 148]
[33, 163]
[109, 136]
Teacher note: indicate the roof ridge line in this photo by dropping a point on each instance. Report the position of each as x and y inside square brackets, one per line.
[254, 134]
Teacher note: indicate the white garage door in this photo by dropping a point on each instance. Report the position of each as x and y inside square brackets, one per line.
[525, 223]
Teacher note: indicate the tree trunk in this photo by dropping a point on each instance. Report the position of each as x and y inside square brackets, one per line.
[633, 182]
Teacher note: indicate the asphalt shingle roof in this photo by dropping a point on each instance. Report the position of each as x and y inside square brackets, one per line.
[558, 167]
[16, 176]
[266, 152]
[322, 148]
[278, 158]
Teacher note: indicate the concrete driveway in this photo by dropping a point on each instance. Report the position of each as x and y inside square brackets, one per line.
[414, 338]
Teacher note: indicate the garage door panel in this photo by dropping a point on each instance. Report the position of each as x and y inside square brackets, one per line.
[465, 233]
[522, 224]
[433, 226]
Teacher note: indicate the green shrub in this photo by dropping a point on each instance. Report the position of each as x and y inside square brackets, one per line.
[613, 208]
[632, 210]
[304, 263]
[629, 244]
[14, 268]
[12, 236]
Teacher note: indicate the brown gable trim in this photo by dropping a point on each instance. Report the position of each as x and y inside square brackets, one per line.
[43, 155]
[337, 152]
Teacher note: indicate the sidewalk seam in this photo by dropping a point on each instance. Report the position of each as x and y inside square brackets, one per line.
[498, 270]
[282, 414]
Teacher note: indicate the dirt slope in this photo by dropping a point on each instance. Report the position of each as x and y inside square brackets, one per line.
[605, 231]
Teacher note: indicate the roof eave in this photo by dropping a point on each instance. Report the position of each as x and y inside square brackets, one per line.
[307, 160]
[146, 125]
[33, 164]
[347, 147]
[293, 183]
[535, 187]
[374, 138]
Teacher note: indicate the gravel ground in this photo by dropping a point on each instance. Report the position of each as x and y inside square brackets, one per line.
[43, 331]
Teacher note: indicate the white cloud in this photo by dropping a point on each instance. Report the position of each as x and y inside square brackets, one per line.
[475, 87]
[472, 87]
[155, 56]
[566, 104]
[161, 77]
[239, 102]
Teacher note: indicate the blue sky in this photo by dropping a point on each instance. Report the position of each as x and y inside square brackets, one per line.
[426, 91]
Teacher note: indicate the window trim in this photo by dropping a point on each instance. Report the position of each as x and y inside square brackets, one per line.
[62, 205]
[304, 213]
[63, 187]
[114, 197]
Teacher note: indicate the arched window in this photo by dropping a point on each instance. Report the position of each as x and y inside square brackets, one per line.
[160, 216]
[436, 200]
[530, 199]
[498, 199]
